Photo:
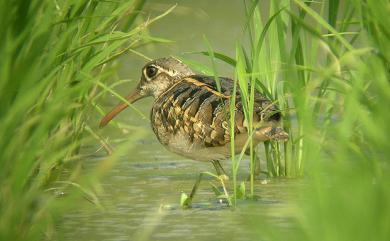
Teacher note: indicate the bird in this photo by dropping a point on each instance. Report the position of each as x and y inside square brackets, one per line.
[190, 115]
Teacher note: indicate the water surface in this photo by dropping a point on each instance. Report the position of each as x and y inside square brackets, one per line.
[141, 202]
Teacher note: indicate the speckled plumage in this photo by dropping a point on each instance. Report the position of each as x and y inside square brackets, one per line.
[194, 112]
[191, 117]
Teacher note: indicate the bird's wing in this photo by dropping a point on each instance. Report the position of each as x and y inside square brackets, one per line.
[196, 107]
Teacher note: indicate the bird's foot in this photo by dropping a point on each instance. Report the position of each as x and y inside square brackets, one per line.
[223, 177]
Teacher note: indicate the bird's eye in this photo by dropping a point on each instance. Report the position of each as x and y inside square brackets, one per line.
[151, 71]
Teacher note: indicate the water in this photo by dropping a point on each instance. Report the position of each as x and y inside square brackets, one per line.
[142, 192]
[141, 202]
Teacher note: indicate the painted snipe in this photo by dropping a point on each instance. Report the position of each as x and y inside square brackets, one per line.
[190, 116]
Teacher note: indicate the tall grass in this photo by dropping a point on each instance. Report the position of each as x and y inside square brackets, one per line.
[53, 57]
[326, 64]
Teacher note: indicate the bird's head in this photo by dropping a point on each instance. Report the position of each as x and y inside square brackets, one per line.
[157, 76]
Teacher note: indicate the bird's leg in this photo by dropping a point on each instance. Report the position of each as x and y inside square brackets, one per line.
[193, 191]
[257, 164]
[219, 169]
[221, 176]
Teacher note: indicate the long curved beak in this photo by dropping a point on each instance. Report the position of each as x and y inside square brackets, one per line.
[131, 98]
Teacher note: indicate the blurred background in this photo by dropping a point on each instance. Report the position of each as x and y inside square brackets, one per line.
[64, 64]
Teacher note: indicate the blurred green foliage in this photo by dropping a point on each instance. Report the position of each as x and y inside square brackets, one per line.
[53, 57]
[327, 66]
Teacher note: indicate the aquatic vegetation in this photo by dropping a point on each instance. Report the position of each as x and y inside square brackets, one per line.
[327, 65]
[54, 54]
[291, 61]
